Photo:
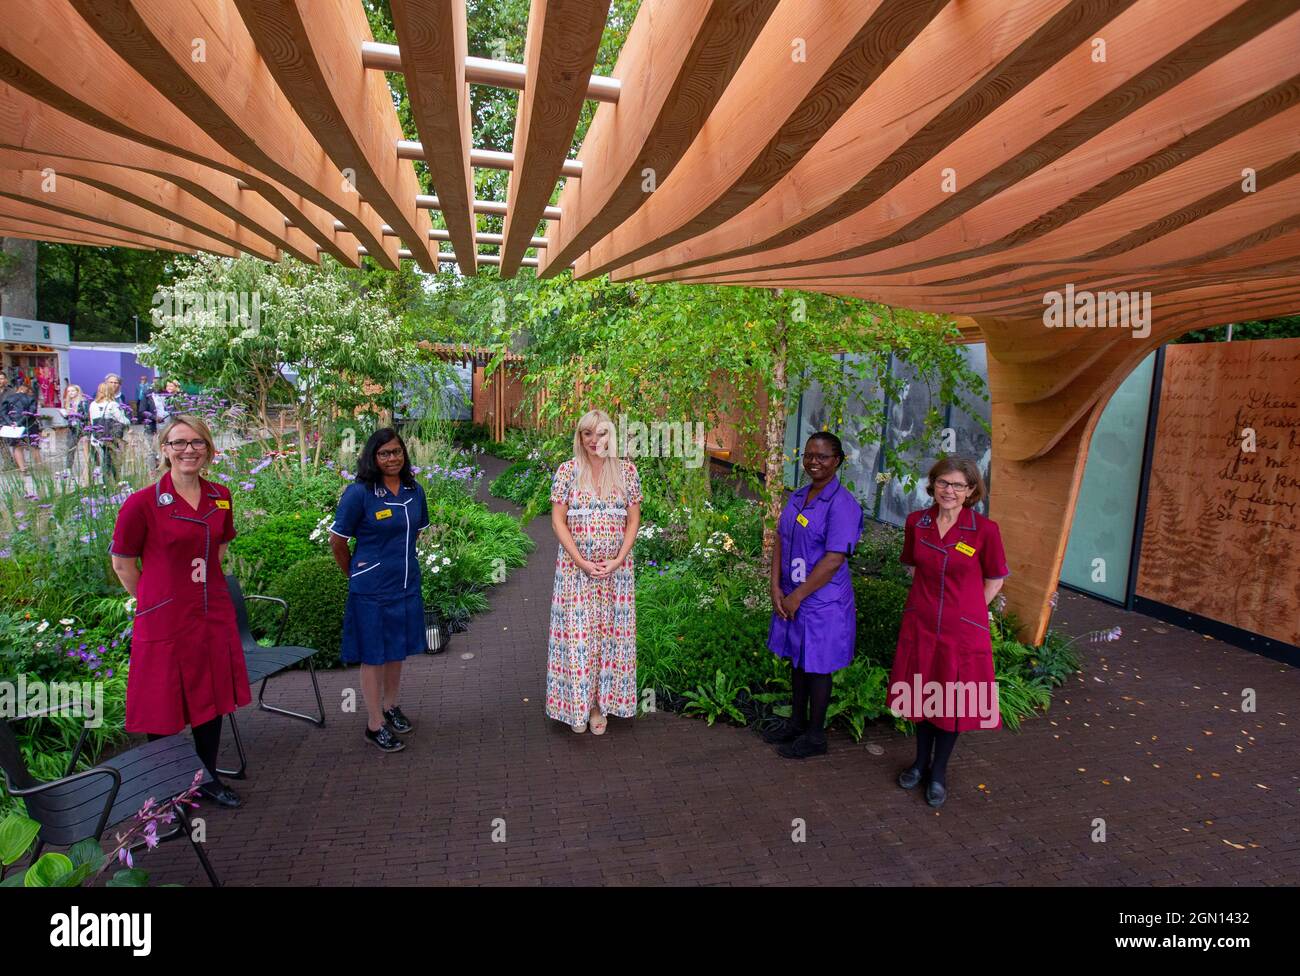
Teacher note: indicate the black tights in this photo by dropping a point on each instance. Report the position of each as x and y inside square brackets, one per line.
[929, 737]
[207, 741]
[809, 691]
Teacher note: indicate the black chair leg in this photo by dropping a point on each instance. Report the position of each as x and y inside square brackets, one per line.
[318, 719]
[239, 747]
[198, 848]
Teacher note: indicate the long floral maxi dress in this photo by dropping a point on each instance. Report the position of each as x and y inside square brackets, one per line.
[593, 621]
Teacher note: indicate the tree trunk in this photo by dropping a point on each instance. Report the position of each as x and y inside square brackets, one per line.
[774, 473]
[18, 294]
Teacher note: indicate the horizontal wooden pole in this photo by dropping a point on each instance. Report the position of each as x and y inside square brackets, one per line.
[483, 158]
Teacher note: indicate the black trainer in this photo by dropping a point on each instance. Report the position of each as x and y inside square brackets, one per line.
[400, 723]
[386, 739]
[804, 747]
[787, 731]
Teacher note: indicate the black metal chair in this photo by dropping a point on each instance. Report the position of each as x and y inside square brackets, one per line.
[84, 805]
[264, 663]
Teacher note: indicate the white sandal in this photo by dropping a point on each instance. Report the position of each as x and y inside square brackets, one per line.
[604, 723]
[579, 727]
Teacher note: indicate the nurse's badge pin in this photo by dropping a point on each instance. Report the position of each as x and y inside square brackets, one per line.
[165, 498]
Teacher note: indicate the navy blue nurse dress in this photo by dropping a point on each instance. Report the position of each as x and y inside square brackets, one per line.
[384, 618]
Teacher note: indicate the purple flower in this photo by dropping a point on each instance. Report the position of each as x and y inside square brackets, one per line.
[110, 673]
[223, 476]
[246, 486]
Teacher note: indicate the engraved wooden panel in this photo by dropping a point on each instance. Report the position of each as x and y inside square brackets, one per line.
[1222, 532]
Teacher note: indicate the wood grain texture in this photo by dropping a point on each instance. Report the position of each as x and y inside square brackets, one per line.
[774, 112]
[311, 50]
[679, 57]
[560, 52]
[231, 96]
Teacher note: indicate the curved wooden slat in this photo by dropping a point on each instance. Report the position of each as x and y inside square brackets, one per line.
[311, 50]
[678, 58]
[232, 97]
[58, 228]
[773, 112]
[559, 54]
[57, 60]
[148, 193]
[74, 199]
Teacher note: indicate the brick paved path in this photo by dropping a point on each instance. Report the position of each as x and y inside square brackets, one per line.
[1150, 739]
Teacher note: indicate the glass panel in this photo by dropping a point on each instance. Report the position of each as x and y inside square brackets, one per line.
[1101, 536]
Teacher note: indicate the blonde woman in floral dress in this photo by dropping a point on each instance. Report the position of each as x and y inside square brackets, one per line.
[596, 509]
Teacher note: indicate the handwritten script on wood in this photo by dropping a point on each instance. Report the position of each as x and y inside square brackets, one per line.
[1222, 531]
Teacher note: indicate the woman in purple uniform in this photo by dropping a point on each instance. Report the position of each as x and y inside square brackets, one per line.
[814, 621]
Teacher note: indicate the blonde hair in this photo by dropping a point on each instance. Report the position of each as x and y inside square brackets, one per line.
[611, 484]
[102, 394]
[69, 392]
[195, 424]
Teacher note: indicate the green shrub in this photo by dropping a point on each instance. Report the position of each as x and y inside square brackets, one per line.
[269, 548]
[879, 605]
[317, 594]
[527, 484]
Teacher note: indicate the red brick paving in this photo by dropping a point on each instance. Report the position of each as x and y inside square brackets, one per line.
[664, 799]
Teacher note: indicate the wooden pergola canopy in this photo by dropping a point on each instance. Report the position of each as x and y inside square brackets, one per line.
[971, 157]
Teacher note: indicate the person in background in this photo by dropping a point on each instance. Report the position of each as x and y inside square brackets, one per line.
[21, 423]
[115, 388]
[187, 661]
[142, 390]
[108, 426]
[76, 412]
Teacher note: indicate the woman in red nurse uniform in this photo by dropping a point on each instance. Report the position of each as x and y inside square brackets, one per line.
[187, 663]
[942, 678]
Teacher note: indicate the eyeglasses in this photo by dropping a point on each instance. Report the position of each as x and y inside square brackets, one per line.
[955, 486]
[390, 454]
[179, 445]
[823, 458]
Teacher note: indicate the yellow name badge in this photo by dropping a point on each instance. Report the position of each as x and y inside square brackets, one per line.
[384, 513]
[965, 550]
[801, 520]
[222, 503]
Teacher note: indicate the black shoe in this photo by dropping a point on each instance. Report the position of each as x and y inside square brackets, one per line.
[220, 794]
[386, 739]
[804, 747]
[935, 794]
[911, 777]
[787, 731]
[400, 723]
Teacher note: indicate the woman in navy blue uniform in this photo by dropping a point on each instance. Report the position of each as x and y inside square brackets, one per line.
[384, 511]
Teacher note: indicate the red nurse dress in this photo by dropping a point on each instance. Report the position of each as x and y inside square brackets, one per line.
[944, 638]
[187, 662]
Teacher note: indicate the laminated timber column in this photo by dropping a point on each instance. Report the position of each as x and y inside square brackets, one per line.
[1048, 387]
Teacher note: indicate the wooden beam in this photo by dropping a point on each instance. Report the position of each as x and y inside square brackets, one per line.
[232, 97]
[57, 60]
[806, 69]
[433, 49]
[31, 126]
[559, 54]
[149, 193]
[60, 229]
[1013, 142]
[678, 58]
[311, 50]
[66, 195]
[485, 71]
